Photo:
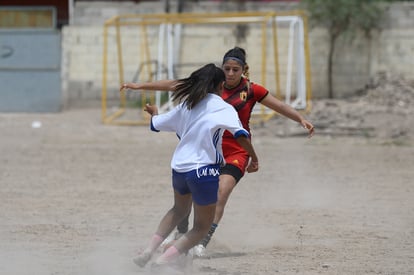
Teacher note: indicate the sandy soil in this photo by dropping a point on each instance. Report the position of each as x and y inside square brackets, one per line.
[79, 197]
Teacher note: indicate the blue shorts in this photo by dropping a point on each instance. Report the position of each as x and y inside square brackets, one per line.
[202, 183]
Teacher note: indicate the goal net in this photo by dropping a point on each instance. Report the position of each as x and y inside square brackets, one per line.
[141, 48]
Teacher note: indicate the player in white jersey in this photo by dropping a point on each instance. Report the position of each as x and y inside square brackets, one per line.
[199, 130]
[199, 121]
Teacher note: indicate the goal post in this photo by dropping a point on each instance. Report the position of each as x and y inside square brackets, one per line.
[141, 48]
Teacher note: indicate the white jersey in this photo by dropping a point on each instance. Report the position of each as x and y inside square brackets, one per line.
[200, 131]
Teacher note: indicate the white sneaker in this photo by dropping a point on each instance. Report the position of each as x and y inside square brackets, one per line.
[167, 240]
[178, 235]
[142, 259]
[199, 250]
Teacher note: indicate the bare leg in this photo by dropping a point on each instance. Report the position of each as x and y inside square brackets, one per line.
[182, 227]
[226, 186]
[180, 209]
[203, 217]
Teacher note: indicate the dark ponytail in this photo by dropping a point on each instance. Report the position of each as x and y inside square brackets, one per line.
[193, 89]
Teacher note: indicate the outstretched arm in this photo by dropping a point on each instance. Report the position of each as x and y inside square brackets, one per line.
[284, 109]
[159, 85]
[247, 145]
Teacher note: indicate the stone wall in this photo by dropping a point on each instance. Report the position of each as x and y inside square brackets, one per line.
[356, 61]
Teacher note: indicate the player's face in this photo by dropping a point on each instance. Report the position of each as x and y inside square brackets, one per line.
[233, 71]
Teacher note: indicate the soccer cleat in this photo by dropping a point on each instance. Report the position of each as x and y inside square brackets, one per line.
[199, 250]
[142, 259]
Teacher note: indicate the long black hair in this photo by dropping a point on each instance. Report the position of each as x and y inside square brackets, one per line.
[193, 89]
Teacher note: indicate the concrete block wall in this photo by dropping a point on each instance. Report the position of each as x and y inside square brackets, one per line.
[355, 62]
[395, 51]
[351, 70]
[394, 48]
[83, 44]
[390, 50]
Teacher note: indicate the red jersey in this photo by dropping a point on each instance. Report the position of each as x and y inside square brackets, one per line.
[242, 98]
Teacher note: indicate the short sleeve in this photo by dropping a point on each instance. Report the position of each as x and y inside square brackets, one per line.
[260, 92]
[233, 124]
[166, 121]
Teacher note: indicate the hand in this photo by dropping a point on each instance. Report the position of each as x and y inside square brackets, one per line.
[123, 86]
[308, 126]
[152, 110]
[252, 167]
[127, 86]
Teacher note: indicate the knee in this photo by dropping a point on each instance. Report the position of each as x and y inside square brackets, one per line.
[180, 211]
[224, 194]
[226, 186]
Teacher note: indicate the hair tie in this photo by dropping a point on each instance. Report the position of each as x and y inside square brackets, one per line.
[235, 59]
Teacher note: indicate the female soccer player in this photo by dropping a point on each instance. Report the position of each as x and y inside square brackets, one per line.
[242, 94]
[199, 121]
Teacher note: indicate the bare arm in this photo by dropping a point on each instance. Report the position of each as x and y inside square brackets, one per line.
[247, 145]
[160, 85]
[284, 109]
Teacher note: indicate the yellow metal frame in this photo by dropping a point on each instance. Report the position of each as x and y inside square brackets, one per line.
[144, 20]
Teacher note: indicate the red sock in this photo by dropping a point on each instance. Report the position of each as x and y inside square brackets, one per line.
[155, 242]
[169, 255]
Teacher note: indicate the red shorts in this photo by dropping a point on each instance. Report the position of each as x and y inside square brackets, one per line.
[234, 154]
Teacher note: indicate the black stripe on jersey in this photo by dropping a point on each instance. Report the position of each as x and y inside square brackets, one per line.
[235, 99]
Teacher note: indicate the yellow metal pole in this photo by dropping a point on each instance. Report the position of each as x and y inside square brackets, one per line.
[147, 51]
[109, 119]
[147, 61]
[104, 71]
[120, 60]
[264, 55]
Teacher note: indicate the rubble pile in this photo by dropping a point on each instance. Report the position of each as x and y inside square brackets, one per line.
[390, 91]
[385, 109]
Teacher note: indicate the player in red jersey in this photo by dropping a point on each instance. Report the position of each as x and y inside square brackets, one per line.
[242, 94]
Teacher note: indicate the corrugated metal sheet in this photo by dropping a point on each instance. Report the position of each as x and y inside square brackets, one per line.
[30, 78]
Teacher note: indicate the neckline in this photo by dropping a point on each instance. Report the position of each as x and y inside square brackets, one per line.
[235, 86]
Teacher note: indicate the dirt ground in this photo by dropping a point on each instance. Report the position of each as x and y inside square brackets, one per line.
[79, 197]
